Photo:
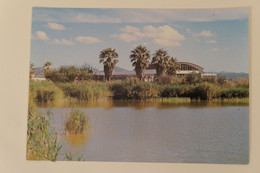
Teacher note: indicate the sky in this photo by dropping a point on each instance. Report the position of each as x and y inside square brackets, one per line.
[215, 39]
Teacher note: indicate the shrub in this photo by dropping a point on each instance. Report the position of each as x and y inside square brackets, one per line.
[134, 90]
[85, 90]
[242, 82]
[76, 122]
[232, 92]
[173, 91]
[71, 74]
[44, 91]
[41, 140]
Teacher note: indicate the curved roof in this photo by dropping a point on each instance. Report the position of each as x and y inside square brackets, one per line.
[191, 64]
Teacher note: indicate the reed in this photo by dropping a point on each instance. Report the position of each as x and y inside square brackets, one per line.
[76, 122]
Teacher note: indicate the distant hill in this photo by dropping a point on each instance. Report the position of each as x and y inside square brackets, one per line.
[118, 70]
[232, 75]
[39, 72]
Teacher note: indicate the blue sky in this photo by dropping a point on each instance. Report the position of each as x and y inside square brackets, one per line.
[216, 39]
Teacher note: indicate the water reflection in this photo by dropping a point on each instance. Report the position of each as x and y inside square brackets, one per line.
[76, 139]
[142, 104]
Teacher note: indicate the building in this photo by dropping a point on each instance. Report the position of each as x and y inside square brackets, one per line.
[150, 72]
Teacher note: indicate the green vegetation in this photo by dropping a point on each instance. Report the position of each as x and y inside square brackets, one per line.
[41, 140]
[134, 90]
[69, 157]
[109, 58]
[85, 90]
[164, 63]
[76, 122]
[140, 60]
[44, 91]
[71, 74]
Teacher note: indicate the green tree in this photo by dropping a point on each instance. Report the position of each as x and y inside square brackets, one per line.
[47, 68]
[109, 58]
[161, 59]
[140, 60]
[173, 66]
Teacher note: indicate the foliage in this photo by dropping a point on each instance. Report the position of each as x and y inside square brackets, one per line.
[76, 122]
[109, 58]
[41, 140]
[192, 78]
[140, 60]
[71, 74]
[242, 82]
[134, 90]
[85, 90]
[161, 61]
[69, 157]
[47, 68]
[44, 91]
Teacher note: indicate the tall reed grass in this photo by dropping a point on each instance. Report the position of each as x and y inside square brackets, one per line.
[85, 90]
[76, 122]
[44, 91]
[41, 139]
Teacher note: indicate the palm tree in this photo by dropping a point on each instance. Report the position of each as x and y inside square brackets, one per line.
[173, 66]
[161, 59]
[47, 68]
[140, 60]
[109, 58]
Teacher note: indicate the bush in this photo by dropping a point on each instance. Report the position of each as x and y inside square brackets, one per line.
[242, 82]
[134, 90]
[173, 91]
[41, 140]
[44, 91]
[232, 92]
[76, 122]
[85, 90]
[71, 74]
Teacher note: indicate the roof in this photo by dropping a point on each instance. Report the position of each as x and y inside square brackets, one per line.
[191, 64]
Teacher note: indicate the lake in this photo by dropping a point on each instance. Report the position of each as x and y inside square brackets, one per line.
[160, 131]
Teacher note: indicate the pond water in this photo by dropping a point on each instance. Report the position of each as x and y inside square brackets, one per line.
[194, 132]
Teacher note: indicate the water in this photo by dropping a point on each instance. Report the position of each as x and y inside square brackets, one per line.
[158, 132]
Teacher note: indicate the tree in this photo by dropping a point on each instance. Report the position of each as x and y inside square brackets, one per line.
[161, 59]
[47, 68]
[32, 70]
[173, 66]
[109, 58]
[140, 60]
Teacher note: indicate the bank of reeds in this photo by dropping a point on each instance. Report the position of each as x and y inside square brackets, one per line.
[134, 90]
[44, 91]
[85, 90]
[76, 122]
[41, 139]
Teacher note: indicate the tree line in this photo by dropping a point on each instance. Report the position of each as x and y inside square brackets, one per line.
[140, 57]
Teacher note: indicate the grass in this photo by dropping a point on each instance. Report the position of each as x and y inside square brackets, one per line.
[133, 89]
[85, 90]
[41, 140]
[76, 122]
[44, 91]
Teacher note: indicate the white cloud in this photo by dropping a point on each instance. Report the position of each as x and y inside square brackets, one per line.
[204, 33]
[215, 49]
[163, 35]
[90, 18]
[56, 26]
[211, 41]
[63, 42]
[87, 39]
[40, 35]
